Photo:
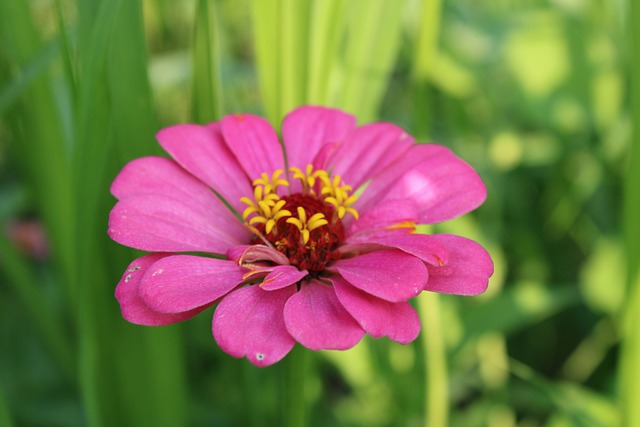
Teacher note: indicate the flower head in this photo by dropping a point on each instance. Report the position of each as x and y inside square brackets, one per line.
[311, 240]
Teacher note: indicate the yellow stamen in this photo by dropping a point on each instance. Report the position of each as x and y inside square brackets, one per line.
[308, 177]
[271, 184]
[305, 227]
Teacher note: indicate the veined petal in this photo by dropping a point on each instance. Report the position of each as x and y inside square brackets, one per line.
[202, 151]
[249, 322]
[133, 307]
[367, 150]
[183, 282]
[399, 321]
[423, 246]
[317, 320]
[165, 224]
[467, 271]
[388, 274]
[254, 143]
[440, 184]
[282, 276]
[307, 129]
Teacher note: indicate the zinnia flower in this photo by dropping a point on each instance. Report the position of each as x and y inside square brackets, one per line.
[309, 240]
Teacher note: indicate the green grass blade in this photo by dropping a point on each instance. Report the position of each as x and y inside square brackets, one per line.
[5, 414]
[629, 372]
[326, 29]
[206, 86]
[294, 25]
[266, 22]
[36, 120]
[25, 284]
[373, 39]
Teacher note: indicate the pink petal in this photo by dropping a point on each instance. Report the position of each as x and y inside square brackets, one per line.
[254, 143]
[249, 322]
[282, 276]
[399, 321]
[317, 320]
[468, 269]
[159, 223]
[367, 150]
[388, 274]
[203, 152]
[133, 307]
[261, 253]
[423, 246]
[184, 282]
[307, 129]
[440, 184]
[381, 216]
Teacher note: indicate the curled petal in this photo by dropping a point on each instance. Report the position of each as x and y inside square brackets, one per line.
[261, 253]
[399, 321]
[433, 178]
[282, 276]
[317, 320]
[133, 307]
[249, 322]
[183, 282]
[467, 271]
[389, 274]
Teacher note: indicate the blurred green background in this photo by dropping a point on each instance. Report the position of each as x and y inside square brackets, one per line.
[538, 95]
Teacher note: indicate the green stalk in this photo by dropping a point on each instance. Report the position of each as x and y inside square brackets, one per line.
[295, 409]
[5, 414]
[629, 370]
[206, 87]
[437, 386]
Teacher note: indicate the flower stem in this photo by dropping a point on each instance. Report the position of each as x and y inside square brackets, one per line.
[295, 410]
[437, 387]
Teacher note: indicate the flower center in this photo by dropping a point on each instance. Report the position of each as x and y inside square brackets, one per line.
[306, 226]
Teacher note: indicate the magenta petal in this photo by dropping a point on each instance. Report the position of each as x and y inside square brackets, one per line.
[184, 282]
[399, 321]
[249, 322]
[159, 223]
[307, 129]
[468, 269]
[133, 307]
[388, 274]
[317, 320]
[367, 150]
[254, 143]
[440, 184]
[381, 216]
[282, 276]
[423, 246]
[202, 151]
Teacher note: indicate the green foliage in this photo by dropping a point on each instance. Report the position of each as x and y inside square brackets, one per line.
[533, 94]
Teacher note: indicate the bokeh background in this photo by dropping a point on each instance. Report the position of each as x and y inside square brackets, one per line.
[537, 95]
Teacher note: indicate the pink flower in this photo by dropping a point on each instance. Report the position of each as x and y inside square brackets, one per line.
[310, 240]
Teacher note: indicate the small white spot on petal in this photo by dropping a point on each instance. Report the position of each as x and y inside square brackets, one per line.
[259, 356]
[157, 272]
[126, 279]
[132, 269]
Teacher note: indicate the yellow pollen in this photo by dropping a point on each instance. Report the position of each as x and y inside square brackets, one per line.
[305, 227]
